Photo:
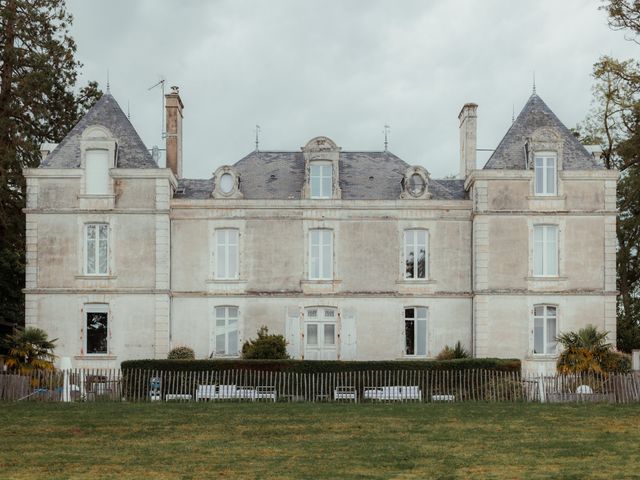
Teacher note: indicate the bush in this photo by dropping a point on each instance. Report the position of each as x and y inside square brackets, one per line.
[458, 351]
[616, 362]
[266, 346]
[181, 353]
[322, 366]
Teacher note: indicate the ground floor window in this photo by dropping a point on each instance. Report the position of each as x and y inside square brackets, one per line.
[226, 331]
[415, 331]
[545, 325]
[320, 334]
[97, 328]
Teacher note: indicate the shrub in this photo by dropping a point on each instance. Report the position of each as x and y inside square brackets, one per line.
[181, 353]
[29, 349]
[266, 346]
[458, 351]
[586, 350]
[617, 362]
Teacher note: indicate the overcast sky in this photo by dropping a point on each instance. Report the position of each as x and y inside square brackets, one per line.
[343, 69]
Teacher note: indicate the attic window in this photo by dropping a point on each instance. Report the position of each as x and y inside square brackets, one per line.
[321, 179]
[416, 185]
[226, 183]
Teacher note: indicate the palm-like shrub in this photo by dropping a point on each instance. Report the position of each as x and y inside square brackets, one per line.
[458, 351]
[29, 349]
[181, 353]
[586, 350]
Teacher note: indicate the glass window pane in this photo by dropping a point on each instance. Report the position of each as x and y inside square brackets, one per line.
[538, 336]
[97, 332]
[233, 262]
[91, 250]
[422, 265]
[409, 335]
[421, 337]
[97, 172]
[220, 343]
[551, 176]
[221, 312]
[326, 186]
[551, 253]
[551, 335]
[329, 334]
[232, 312]
[538, 256]
[421, 312]
[233, 341]
[221, 261]
[551, 311]
[327, 270]
[409, 262]
[312, 334]
[409, 313]
[539, 176]
[538, 310]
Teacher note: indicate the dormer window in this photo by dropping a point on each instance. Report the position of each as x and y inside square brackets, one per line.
[321, 179]
[226, 183]
[415, 183]
[545, 174]
[97, 172]
[98, 149]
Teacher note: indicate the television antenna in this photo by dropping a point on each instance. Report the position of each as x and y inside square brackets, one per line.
[160, 84]
[387, 129]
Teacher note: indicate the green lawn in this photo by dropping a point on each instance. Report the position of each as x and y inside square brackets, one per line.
[151, 441]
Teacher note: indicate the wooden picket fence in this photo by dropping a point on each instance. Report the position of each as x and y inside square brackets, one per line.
[363, 386]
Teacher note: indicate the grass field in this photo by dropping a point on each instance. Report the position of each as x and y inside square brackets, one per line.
[248, 441]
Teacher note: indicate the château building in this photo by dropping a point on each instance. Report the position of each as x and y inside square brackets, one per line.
[349, 254]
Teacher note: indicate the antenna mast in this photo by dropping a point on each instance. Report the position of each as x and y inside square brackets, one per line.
[387, 129]
[257, 137]
[161, 83]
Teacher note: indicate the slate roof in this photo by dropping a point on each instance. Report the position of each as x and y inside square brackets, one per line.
[510, 152]
[363, 176]
[131, 151]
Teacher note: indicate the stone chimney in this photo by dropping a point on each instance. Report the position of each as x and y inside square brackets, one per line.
[173, 107]
[468, 135]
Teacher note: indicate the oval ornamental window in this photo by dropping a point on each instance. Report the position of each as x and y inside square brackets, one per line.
[416, 185]
[226, 183]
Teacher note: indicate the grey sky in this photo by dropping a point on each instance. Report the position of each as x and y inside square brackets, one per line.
[342, 69]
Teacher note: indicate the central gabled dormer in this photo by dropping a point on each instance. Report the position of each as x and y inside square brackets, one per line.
[321, 166]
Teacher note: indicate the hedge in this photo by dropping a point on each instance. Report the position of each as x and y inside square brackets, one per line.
[323, 366]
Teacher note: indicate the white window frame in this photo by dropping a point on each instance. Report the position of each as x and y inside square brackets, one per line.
[97, 255]
[223, 243]
[416, 246]
[415, 319]
[324, 235]
[96, 308]
[325, 172]
[228, 351]
[321, 322]
[549, 246]
[546, 318]
[548, 162]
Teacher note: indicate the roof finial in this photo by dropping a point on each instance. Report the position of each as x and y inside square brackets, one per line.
[108, 84]
[534, 82]
[257, 137]
[128, 110]
[513, 112]
[387, 129]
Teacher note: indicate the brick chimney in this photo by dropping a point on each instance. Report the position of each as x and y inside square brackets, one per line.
[173, 107]
[468, 138]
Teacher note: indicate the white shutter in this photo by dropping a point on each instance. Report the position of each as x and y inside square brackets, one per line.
[292, 332]
[348, 341]
[97, 172]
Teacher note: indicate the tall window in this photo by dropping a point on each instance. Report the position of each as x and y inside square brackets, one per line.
[320, 254]
[415, 254]
[545, 183]
[321, 180]
[97, 328]
[545, 326]
[545, 250]
[97, 172]
[415, 331]
[96, 249]
[226, 331]
[320, 334]
[226, 261]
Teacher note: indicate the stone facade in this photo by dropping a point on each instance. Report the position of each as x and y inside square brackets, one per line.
[350, 255]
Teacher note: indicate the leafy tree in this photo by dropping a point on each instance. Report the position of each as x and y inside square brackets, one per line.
[38, 104]
[266, 346]
[614, 123]
[29, 350]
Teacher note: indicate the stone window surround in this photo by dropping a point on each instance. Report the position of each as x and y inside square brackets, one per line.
[404, 225]
[83, 221]
[217, 176]
[214, 303]
[406, 181]
[86, 304]
[542, 281]
[321, 149]
[97, 137]
[531, 304]
[545, 141]
[216, 284]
